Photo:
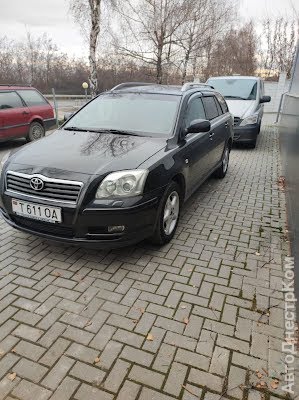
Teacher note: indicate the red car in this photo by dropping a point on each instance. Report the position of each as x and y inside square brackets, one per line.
[24, 112]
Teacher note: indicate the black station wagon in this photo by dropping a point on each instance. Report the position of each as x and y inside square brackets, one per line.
[120, 168]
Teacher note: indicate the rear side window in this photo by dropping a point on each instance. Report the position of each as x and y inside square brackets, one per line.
[10, 100]
[210, 107]
[222, 103]
[32, 97]
[195, 110]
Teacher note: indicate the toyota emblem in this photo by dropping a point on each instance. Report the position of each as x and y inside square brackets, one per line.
[37, 184]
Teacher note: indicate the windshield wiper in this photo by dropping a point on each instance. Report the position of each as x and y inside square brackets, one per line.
[235, 97]
[75, 128]
[116, 131]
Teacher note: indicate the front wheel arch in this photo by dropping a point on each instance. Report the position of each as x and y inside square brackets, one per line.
[180, 180]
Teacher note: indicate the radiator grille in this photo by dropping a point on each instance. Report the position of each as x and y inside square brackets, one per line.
[53, 189]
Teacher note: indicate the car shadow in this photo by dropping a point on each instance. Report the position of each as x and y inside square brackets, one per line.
[12, 144]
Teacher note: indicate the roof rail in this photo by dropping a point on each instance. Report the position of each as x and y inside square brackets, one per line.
[14, 84]
[130, 84]
[190, 85]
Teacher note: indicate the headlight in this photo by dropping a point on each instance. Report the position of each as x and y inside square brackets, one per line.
[122, 184]
[252, 119]
[3, 161]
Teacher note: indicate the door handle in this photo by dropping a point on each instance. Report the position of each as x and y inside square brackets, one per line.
[25, 113]
[211, 135]
[226, 124]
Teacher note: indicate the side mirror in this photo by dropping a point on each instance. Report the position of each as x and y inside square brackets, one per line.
[67, 116]
[265, 99]
[199, 125]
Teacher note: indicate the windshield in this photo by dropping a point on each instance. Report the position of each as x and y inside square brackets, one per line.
[244, 89]
[139, 113]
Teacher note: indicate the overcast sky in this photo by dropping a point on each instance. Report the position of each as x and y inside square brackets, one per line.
[51, 16]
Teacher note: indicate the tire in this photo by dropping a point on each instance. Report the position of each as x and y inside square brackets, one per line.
[170, 204]
[36, 132]
[222, 170]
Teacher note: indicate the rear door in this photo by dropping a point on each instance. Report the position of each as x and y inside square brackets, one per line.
[197, 146]
[219, 127]
[14, 115]
[37, 104]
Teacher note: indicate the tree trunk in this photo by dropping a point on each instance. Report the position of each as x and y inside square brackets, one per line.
[95, 11]
[160, 47]
[159, 66]
[185, 66]
[93, 80]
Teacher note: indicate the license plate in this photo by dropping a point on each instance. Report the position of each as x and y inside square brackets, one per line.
[37, 211]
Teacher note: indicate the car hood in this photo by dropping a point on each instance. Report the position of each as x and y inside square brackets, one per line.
[241, 108]
[88, 152]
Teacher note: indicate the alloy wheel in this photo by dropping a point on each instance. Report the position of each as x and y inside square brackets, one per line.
[225, 160]
[171, 213]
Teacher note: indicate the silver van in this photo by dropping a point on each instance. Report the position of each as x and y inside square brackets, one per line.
[245, 97]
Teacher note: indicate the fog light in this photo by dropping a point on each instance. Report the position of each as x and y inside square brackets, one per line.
[116, 228]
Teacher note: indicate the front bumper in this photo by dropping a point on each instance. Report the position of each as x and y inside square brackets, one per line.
[246, 133]
[89, 226]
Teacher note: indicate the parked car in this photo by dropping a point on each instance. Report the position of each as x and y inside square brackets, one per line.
[245, 97]
[120, 168]
[24, 112]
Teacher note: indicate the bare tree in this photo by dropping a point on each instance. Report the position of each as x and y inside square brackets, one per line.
[34, 52]
[88, 13]
[6, 59]
[208, 21]
[149, 28]
[49, 50]
[235, 53]
[278, 43]
[166, 44]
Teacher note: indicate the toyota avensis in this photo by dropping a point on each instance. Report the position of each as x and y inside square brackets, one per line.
[120, 168]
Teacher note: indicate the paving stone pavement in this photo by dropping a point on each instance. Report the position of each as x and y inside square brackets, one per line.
[200, 318]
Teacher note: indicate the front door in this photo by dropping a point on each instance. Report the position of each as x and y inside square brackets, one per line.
[197, 147]
[14, 115]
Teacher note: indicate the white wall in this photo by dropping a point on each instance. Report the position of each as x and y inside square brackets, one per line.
[275, 90]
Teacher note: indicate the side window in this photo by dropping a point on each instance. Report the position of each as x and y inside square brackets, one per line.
[210, 107]
[222, 103]
[220, 111]
[195, 110]
[10, 100]
[32, 97]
